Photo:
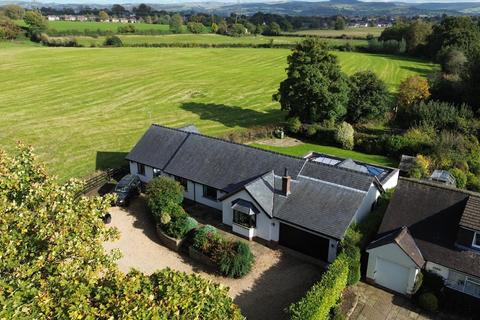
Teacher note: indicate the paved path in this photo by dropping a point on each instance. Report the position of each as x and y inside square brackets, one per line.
[276, 280]
[377, 304]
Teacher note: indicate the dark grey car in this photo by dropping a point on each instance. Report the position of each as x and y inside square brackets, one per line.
[126, 189]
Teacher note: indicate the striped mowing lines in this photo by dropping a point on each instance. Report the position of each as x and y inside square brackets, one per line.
[71, 103]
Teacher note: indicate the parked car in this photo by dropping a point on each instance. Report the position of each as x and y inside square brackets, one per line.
[126, 189]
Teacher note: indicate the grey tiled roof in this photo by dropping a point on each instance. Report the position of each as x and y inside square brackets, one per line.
[224, 165]
[342, 176]
[405, 241]
[157, 146]
[471, 215]
[324, 198]
[262, 190]
[432, 213]
[318, 206]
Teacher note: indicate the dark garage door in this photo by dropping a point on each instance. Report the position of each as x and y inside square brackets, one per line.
[304, 242]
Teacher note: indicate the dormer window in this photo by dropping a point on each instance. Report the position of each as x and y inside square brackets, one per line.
[476, 240]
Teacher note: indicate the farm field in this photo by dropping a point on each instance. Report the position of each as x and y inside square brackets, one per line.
[305, 148]
[83, 108]
[206, 39]
[93, 25]
[349, 32]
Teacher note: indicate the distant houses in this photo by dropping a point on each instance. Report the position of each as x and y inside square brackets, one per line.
[83, 18]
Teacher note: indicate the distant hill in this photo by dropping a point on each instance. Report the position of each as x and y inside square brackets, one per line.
[332, 7]
[324, 8]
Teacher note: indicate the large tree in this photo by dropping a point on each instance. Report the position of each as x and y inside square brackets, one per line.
[417, 35]
[53, 264]
[36, 23]
[176, 23]
[315, 89]
[369, 97]
[14, 12]
[455, 32]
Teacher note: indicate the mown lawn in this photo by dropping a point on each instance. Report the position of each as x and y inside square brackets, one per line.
[305, 148]
[83, 108]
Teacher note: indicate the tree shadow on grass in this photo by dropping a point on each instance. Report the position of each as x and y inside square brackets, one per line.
[110, 159]
[232, 116]
[424, 72]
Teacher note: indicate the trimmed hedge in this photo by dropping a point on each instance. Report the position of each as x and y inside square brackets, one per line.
[323, 296]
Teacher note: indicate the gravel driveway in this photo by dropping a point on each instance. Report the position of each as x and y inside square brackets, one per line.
[277, 279]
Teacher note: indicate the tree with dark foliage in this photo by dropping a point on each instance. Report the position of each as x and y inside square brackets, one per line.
[369, 97]
[315, 89]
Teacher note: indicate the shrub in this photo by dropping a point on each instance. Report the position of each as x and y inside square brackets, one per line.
[473, 182]
[311, 131]
[179, 225]
[440, 116]
[129, 28]
[113, 41]
[323, 296]
[344, 135]
[196, 27]
[460, 177]
[162, 193]
[428, 301]
[235, 259]
[293, 125]
[203, 237]
[420, 168]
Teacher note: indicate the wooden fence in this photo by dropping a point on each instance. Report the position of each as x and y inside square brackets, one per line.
[99, 179]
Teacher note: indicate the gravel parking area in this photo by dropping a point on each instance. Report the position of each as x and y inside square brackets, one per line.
[277, 279]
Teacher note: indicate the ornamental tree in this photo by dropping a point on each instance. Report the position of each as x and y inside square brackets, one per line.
[412, 90]
[53, 264]
[315, 89]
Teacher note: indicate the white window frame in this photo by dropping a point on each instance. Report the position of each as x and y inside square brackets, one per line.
[475, 235]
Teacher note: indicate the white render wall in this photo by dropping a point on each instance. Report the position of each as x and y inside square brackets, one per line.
[392, 253]
[265, 228]
[392, 182]
[367, 203]
[148, 172]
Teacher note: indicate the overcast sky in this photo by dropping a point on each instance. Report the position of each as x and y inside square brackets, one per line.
[235, 1]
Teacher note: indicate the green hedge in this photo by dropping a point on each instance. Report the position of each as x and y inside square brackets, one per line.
[323, 296]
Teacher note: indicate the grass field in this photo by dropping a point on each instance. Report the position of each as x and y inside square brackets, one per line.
[207, 39]
[305, 148]
[93, 25]
[83, 107]
[349, 32]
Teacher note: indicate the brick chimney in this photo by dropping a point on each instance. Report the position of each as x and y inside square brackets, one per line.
[286, 181]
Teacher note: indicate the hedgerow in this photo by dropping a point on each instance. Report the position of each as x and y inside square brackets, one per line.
[323, 296]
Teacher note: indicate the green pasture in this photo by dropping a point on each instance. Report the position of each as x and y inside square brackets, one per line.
[93, 26]
[349, 32]
[83, 108]
[207, 39]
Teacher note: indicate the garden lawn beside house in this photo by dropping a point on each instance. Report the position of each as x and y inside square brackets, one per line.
[304, 148]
